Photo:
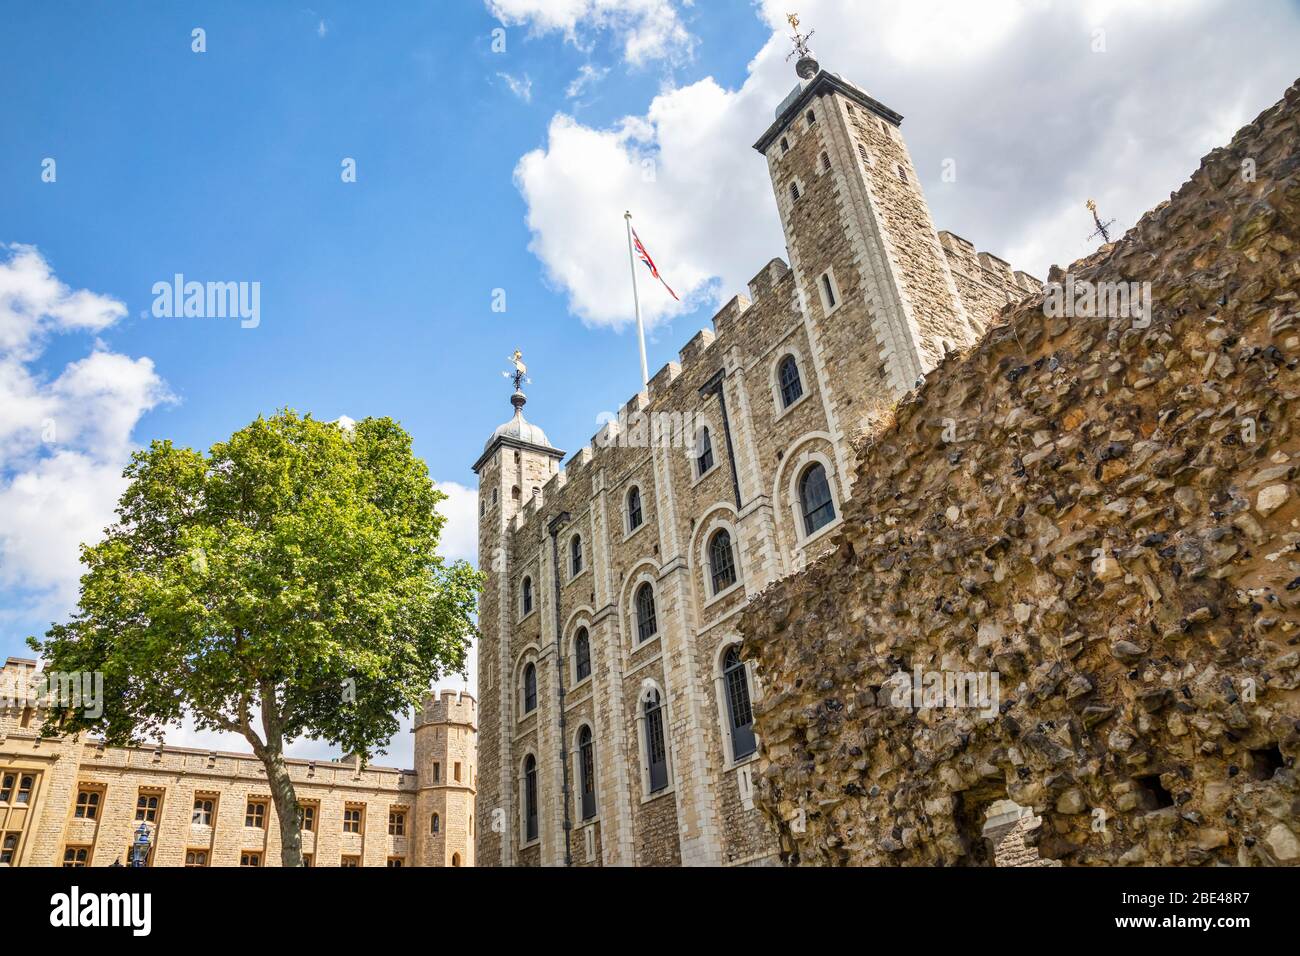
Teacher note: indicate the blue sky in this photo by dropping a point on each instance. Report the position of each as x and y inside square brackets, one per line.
[479, 170]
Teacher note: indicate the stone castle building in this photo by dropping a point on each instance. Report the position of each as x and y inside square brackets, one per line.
[617, 709]
[68, 801]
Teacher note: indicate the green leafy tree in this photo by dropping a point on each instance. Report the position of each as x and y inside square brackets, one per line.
[284, 585]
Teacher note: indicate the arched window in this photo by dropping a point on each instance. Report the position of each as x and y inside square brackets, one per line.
[435, 825]
[735, 679]
[815, 499]
[646, 625]
[455, 859]
[794, 192]
[788, 378]
[575, 555]
[656, 747]
[530, 798]
[785, 146]
[826, 163]
[633, 509]
[722, 564]
[704, 452]
[514, 493]
[527, 597]
[581, 655]
[530, 687]
[587, 772]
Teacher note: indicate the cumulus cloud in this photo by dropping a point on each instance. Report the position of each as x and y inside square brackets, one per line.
[588, 76]
[460, 533]
[1039, 105]
[648, 29]
[64, 440]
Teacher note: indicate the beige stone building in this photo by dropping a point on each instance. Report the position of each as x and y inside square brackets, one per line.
[616, 710]
[75, 802]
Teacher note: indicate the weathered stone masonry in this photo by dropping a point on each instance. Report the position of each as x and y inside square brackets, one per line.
[1107, 516]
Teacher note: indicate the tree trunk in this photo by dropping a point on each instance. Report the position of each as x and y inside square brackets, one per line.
[286, 807]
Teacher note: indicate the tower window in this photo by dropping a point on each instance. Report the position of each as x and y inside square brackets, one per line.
[655, 745]
[794, 192]
[575, 555]
[530, 798]
[722, 562]
[482, 508]
[815, 499]
[646, 624]
[739, 710]
[527, 596]
[829, 299]
[581, 655]
[530, 688]
[704, 456]
[633, 509]
[785, 146]
[826, 163]
[902, 173]
[862, 152]
[788, 379]
[587, 772]
[884, 126]
[811, 117]
[435, 824]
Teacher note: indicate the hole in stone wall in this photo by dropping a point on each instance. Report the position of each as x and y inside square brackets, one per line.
[1151, 794]
[1266, 762]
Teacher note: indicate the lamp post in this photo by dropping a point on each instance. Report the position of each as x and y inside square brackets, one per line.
[140, 848]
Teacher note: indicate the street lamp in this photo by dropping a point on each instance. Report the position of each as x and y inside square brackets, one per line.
[140, 848]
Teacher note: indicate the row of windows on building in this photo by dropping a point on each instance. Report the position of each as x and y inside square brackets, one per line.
[816, 510]
[740, 740]
[78, 855]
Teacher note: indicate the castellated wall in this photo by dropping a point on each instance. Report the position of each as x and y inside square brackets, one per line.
[1105, 515]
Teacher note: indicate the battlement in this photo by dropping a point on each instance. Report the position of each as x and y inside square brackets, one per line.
[449, 707]
[963, 257]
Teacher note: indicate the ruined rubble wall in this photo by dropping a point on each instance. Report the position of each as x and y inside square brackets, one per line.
[1105, 515]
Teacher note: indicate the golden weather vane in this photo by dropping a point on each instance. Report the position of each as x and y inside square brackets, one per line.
[520, 372]
[1103, 228]
[807, 67]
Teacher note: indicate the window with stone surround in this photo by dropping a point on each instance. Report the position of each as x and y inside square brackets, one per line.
[205, 810]
[76, 856]
[575, 555]
[255, 814]
[308, 813]
[352, 814]
[740, 711]
[587, 772]
[396, 862]
[250, 858]
[811, 117]
[646, 623]
[88, 800]
[147, 804]
[634, 517]
[794, 192]
[455, 859]
[703, 453]
[815, 499]
[722, 563]
[530, 687]
[435, 824]
[455, 771]
[530, 798]
[581, 655]
[196, 858]
[656, 745]
[350, 861]
[785, 146]
[526, 601]
[790, 383]
[830, 292]
[397, 822]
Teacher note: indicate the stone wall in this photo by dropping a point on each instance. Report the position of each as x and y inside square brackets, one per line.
[1102, 513]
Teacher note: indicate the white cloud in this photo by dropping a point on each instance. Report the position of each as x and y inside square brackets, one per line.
[63, 441]
[648, 29]
[520, 86]
[588, 76]
[460, 534]
[1011, 90]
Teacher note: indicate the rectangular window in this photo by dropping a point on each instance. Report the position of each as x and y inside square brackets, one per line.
[255, 814]
[351, 861]
[306, 860]
[437, 772]
[455, 771]
[76, 856]
[204, 811]
[794, 192]
[8, 847]
[902, 174]
[862, 152]
[308, 817]
[396, 862]
[146, 806]
[196, 857]
[250, 858]
[352, 820]
[397, 823]
[88, 803]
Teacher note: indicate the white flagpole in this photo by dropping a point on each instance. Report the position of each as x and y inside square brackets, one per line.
[636, 301]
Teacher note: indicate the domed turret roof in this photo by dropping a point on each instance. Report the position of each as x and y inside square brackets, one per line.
[519, 428]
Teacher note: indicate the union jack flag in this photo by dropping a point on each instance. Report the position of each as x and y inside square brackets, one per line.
[650, 263]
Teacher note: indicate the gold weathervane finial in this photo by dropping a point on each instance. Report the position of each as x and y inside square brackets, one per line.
[807, 67]
[520, 372]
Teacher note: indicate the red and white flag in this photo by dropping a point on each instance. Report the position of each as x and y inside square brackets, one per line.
[650, 264]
